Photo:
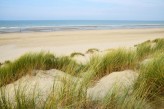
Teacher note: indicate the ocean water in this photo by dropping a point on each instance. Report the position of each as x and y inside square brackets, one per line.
[71, 25]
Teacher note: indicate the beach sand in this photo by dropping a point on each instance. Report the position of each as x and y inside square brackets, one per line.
[13, 45]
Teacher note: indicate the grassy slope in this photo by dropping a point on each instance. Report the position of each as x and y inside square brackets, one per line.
[30, 61]
[147, 90]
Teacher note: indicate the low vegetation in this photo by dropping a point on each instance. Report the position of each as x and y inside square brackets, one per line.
[148, 90]
[30, 61]
[92, 50]
[76, 54]
[151, 79]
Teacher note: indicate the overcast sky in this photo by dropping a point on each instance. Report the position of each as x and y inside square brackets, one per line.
[82, 9]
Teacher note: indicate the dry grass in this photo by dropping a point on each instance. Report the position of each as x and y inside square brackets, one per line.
[76, 54]
[147, 91]
[92, 50]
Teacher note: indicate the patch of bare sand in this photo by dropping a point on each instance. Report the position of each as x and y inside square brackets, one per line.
[13, 45]
[112, 83]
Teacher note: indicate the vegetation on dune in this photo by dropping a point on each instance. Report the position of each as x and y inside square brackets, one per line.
[143, 50]
[24, 65]
[159, 44]
[76, 54]
[68, 65]
[30, 61]
[117, 60]
[148, 48]
[92, 50]
[147, 90]
[151, 78]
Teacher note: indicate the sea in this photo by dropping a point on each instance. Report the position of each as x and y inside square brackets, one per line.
[11, 26]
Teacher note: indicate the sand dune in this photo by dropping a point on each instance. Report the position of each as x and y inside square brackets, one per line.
[122, 81]
[42, 82]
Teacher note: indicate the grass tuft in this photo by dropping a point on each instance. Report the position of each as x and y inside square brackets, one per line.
[30, 61]
[146, 93]
[117, 60]
[92, 50]
[76, 54]
[143, 50]
[151, 78]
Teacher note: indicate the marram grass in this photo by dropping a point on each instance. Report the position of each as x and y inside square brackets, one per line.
[151, 78]
[24, 65]
[147, 91]
[76, 54]
[30, 61]
[92, 50]
[117, 60]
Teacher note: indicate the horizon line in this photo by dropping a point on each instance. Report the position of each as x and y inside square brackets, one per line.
[71, 20]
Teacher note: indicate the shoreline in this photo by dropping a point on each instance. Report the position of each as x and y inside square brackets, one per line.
[67, 29]
[71, 31]
[14, 45]
[74, 25]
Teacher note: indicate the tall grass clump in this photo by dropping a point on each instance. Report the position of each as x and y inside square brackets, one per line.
[68, 95]
[66, 64]
[143, 50]
[4, 102]
[148, 48]
[30, 61]
[150, 83]
[76, 54]
[117, 60]
[18, 99]
[114, 100]
[159, 44]
[24, 65]
[92, 50]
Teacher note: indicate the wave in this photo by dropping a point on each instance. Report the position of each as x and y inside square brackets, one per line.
[59, 26]
[75, 27]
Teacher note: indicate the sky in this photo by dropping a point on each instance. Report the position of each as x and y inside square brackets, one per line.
[81, 9]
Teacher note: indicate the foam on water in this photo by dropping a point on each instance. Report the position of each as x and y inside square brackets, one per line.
[62, 25]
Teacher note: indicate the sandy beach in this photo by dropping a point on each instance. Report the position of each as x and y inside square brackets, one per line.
[83, 54]
[13, 45]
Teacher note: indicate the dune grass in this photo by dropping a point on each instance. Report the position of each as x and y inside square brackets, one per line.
[24, 65]
[143, 50]
[76, 54]
[30, 61]
[147, 91]
[148, 48]
[151, 79]
[159, 44]
[117, 60]
[92, 50]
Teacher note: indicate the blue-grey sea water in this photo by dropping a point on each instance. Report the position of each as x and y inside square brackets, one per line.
[67, 25]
